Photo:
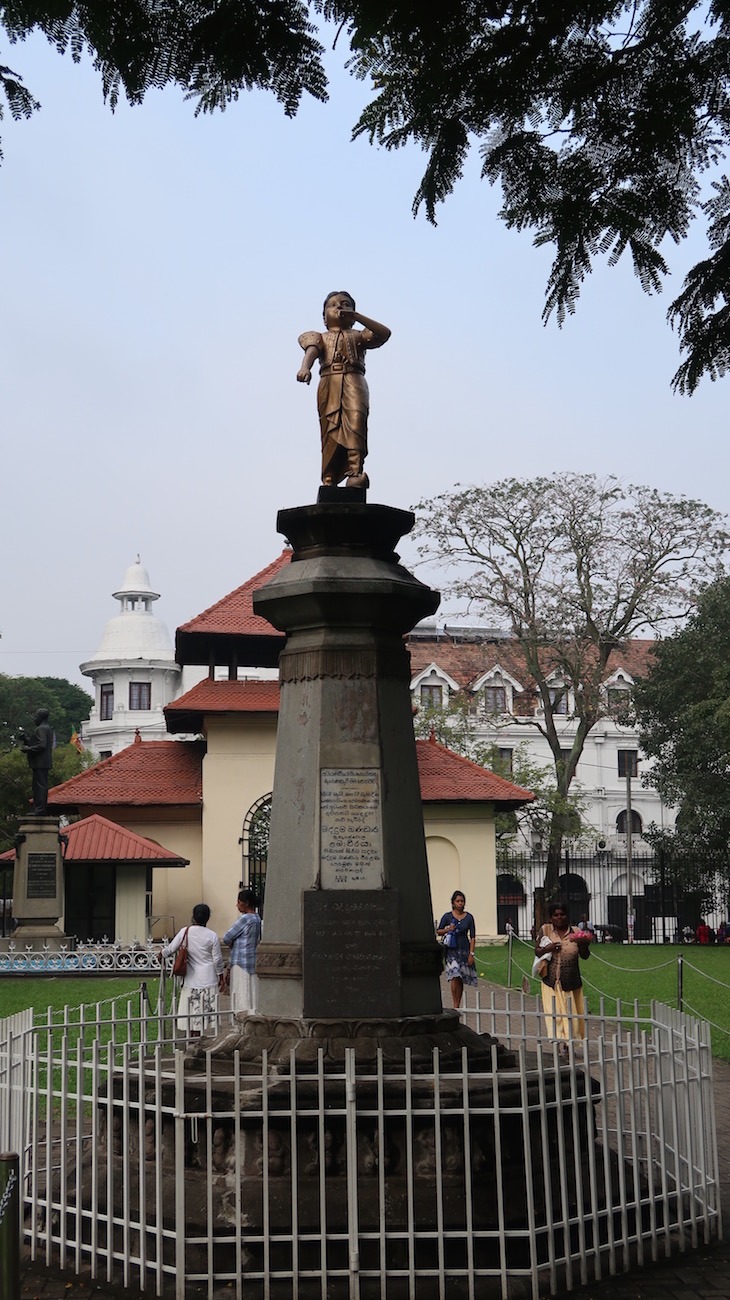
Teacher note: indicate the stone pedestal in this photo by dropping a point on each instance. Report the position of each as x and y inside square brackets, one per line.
[38, 883]
[349, 920]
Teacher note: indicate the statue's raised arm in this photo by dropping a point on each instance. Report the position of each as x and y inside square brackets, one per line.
[343, 399]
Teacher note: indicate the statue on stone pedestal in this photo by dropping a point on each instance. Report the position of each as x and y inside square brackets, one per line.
[343, 399]
[38, 749]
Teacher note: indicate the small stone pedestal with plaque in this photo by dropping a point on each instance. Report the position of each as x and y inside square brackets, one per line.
[38, 900]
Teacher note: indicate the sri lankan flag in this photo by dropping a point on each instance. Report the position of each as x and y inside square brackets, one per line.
[76, 741]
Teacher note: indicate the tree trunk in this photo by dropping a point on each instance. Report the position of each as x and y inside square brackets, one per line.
[558, 829]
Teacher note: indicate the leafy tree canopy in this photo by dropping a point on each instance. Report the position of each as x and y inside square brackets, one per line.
[684, 719]
[15, 784]
[598, 119]
[20, 697]
[572, 566]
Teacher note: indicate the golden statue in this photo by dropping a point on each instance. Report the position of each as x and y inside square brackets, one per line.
[343, 399]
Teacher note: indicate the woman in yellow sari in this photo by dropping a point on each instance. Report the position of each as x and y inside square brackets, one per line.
[562, 987]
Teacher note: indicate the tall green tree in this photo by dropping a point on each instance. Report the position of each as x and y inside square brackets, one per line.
[572, 567]
[15, 784]
[600, 121]
[20, 697]
[684, 719]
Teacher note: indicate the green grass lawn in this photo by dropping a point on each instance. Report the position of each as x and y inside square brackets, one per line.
[640, 972]
[118, 1003]
[19, 994]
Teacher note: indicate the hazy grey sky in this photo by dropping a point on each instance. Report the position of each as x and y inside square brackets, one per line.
[158, 269]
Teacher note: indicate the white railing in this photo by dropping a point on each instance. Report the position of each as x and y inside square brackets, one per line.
[361, 1178]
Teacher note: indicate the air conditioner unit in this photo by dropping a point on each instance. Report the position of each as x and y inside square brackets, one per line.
[601, 845]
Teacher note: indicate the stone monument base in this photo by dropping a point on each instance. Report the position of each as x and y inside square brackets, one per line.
[412, 1144]
[38, 883]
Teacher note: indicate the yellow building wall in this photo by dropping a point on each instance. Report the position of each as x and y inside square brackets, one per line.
[461, 852]
[175, 890]
[238, 769]
[130, 919]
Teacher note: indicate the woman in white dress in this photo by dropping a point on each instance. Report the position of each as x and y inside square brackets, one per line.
[198, 1006]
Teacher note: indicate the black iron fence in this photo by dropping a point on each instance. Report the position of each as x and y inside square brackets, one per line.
[596, 885]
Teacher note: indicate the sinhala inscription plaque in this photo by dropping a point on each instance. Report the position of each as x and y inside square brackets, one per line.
[351, 829]
[351, 954]
[41, 875]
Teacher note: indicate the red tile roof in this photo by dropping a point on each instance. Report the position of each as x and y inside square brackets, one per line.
[467, 661]
[169, 772]
[446, 777]
[210, 696]
[96, 839]
[149, 773]
[233, 615]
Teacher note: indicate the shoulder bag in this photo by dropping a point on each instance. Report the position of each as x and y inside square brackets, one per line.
[180, 963]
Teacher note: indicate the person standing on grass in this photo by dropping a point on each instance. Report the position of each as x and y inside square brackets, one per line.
[459, 934]
[243, 939]
[562, 987]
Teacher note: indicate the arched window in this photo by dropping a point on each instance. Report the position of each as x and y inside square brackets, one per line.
[510, 898]
[574, 890]
[622, 823]
[255, 847]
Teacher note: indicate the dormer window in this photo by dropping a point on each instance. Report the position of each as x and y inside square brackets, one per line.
[432, 688]
[559, 699]
[618, 699]
[495, 699]
[618, 695]
[494, 692]
[432, 696]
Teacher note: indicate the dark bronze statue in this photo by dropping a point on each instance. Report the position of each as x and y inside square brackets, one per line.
[343, 399]
[38, 749]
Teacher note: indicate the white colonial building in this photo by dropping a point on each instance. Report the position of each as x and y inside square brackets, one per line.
[488, 671]
[134, 672]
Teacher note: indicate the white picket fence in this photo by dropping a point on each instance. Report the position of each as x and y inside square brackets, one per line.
[358, 1182]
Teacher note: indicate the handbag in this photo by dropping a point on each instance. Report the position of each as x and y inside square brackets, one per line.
[180, 964]
[450, 939]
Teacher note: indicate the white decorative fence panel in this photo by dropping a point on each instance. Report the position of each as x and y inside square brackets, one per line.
[103, 958]
[355, 1178]
[15, 1046]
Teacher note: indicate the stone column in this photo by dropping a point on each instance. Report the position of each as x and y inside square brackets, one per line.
[348, 929]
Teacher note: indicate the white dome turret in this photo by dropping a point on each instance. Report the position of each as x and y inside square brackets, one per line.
[135, 633]
[133, 671]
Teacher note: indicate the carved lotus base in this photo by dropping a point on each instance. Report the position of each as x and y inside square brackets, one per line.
[251, 1035]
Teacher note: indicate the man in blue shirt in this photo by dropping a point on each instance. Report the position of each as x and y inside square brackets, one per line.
[243, 940]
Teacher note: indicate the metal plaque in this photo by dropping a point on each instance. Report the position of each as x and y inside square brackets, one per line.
[41, 882]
